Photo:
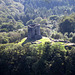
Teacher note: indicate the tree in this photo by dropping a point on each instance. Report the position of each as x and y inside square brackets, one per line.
[67, 24]
[73, 39]
[30, 22]
[37, 20]
[53, 17]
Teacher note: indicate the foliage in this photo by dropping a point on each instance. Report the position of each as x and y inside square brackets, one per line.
[53, 17]
[36, 59]
[12, 36]
[37, 20]
[29, 22]
[45, 31]
[73, 39]
[43, 22]
[67, 24]
[57, 36]
[18, 57]
[27, 10]
[71, 34]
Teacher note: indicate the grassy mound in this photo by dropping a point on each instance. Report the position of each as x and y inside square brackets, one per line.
[42, 40]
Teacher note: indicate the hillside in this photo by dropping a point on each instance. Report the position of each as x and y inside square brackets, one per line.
[37, 37]
[30, 9]
[8, 15]
[32, 58]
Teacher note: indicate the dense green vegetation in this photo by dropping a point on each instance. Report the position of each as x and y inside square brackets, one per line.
[31, 9]
[67, 24]
[42, 59]
[14, 36]
[19, 56]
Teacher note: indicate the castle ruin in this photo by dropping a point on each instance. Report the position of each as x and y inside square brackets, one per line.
[34, 31]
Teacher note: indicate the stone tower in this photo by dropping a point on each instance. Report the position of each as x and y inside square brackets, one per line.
[34, 31]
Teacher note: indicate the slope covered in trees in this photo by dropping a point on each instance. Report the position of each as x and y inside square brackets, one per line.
[9, 13]
[15, 14]
[40, 57]
[24, 10]
[32, 59]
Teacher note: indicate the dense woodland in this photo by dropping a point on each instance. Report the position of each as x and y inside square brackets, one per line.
[57, 21]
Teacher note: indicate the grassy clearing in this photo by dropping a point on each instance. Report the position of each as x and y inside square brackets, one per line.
[44, 39]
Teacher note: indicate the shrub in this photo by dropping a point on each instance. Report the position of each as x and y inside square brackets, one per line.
[67, 24]
[73, 39]
[45, 31]
[57, 36]
[4, 41]
[71, 34]
[29, 22]
[43, 21]
[37, 20]
[53, 17]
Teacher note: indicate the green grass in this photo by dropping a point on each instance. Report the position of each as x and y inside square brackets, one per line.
[23, 40]
[44, 39]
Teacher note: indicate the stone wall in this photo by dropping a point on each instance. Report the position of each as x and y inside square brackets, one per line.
[34, 32]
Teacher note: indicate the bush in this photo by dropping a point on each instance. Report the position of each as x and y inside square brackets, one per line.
[37, 20]
[53, 17]
[30, 22]
[57, 36]
[45, 31]
[66, 36]
[4, 41]
[71, 34]
[43, 21]
[67, 24]
[73, 38]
